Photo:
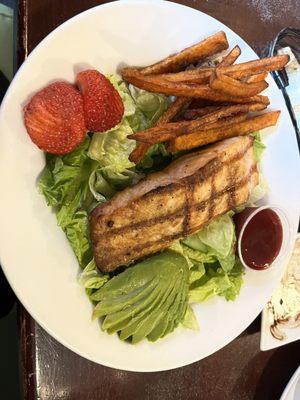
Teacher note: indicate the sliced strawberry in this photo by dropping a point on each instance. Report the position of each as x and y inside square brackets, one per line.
[54, 118]
[103, 106]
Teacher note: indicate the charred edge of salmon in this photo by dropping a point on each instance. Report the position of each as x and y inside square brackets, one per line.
[165, 241]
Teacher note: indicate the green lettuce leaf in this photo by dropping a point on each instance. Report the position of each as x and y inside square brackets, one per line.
[217, 282]
[65, 185]
[198, 256]
[197, 272]
[62, 176]
[112, 148]
[218, 236]
[215, 242]
[150, 105]
[258, 146]
[91, 278]
[190, 321]
[261, 189]
[215, 268]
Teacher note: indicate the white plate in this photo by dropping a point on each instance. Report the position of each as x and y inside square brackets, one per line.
[35, 254]
[292, 390]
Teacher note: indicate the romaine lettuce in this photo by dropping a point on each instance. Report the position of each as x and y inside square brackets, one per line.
[65, 185]
[92, 279]
[216, 269]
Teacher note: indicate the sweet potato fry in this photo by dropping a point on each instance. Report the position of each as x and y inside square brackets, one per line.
[203, 137]
[231, 86]
[197, 75]
[165, 136]
[141, 148]
[256, 66]
[207, 47]
[200, 103]
[158, 85]
[257, 77]
[220, 123]
[226, 121]
[231, 57]
[175, 108]
[168, 131]
[238, 71]
[139, 152]
[194, 113]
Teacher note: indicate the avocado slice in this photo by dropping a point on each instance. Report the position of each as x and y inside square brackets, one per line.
[140, 274]
[110, 306]
[148, 324]
[181, 307]
[145, 299]
[137, 309]
[131, 328]
[162, 325]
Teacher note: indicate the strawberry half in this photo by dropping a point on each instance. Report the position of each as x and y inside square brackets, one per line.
[103, 106]
[54, 118]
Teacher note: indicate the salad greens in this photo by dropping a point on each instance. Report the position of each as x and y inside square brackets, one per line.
[65, 185]
[77, 182]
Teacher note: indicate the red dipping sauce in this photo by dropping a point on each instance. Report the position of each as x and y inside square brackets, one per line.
[262, 237]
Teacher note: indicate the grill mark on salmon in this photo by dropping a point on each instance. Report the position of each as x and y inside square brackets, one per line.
[213, 167]
[169, 239]
[182, 212]
[172, 204]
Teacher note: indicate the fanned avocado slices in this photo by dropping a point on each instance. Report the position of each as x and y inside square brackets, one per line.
[179, 315]
[140, 325]
[156, 316]
[133, 311]
[173, 315]
[111, 306]
[146, 300]
[165, 320]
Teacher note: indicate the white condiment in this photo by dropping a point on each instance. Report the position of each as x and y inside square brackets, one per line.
[285, 302]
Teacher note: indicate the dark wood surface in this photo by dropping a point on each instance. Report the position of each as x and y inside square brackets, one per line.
[237, 372]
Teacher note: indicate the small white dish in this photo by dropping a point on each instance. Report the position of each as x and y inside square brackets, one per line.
[286, 236]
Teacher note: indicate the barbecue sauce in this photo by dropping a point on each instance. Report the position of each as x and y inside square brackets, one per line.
[262, 238]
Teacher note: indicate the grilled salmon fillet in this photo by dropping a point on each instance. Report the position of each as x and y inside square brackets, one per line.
[173, 203]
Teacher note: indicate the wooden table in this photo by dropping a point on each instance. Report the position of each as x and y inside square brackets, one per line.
[237, 372]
